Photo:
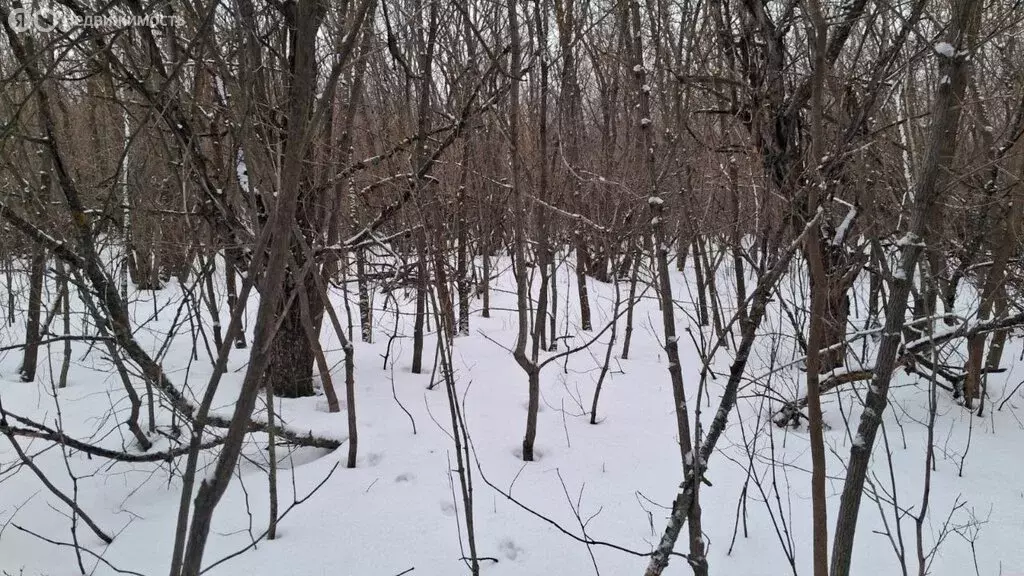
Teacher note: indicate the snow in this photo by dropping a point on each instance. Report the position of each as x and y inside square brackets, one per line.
[909, 239]
[221, 90]
[242, 171]
[946, 49]
[396, 509]
[844, 227]
[940, 334]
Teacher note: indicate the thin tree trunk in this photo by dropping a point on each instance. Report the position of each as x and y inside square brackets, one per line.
[9, 277]
[65, 305]
[553, 316]
[312, 333]
[702, 291]
[631, 303]
[660, 249]
[581, 286]
[365, 313]
[519, 242]
[992, 293]
[941, 149]
[37, 269]
[421, 308]
[711, 280]
[607, 354]
[819, 294]
[231, 282]
[350, 379]
[462, 257]
[687, 489]
[485, 285]
[737, 241]
[544, 252]
[425, 46]
[210, 296]
[272, 458]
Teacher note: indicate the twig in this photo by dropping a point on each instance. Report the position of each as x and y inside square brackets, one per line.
[583, 540]
[46, 482]
[87, 551]
[399, 402]
[281, 517]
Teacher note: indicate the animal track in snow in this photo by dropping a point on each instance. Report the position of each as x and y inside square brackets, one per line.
[509, 549]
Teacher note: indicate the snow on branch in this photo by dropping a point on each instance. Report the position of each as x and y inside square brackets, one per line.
[571, 215]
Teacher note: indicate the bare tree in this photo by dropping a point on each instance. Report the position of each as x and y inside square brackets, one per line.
[952, 54]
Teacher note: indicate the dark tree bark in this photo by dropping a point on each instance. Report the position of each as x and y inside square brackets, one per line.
[702, 287]
[290, 371]
[37, 269]
[817, 32]
[231, 261]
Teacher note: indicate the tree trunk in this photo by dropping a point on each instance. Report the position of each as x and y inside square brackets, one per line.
[425, 46]
[35, 305]
[698, 274]
[659, 250]
[931, 183]
[581, 285]
[711, 280]
[631, 303]
[65, 312]
[519, 241]
[306, 17]
[820, 292]
[421, 310]
[485, 283]
[291, 356]
[230, 279]
[992, 290]
[462, 258]
[365, 312]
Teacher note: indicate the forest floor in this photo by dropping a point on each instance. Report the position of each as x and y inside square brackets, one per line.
[401, 509]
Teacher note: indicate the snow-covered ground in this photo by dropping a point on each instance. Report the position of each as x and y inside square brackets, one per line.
[401, 509]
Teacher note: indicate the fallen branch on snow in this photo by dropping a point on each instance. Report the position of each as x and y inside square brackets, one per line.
[790, 413]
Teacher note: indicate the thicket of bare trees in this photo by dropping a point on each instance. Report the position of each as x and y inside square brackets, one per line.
[369, 147]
